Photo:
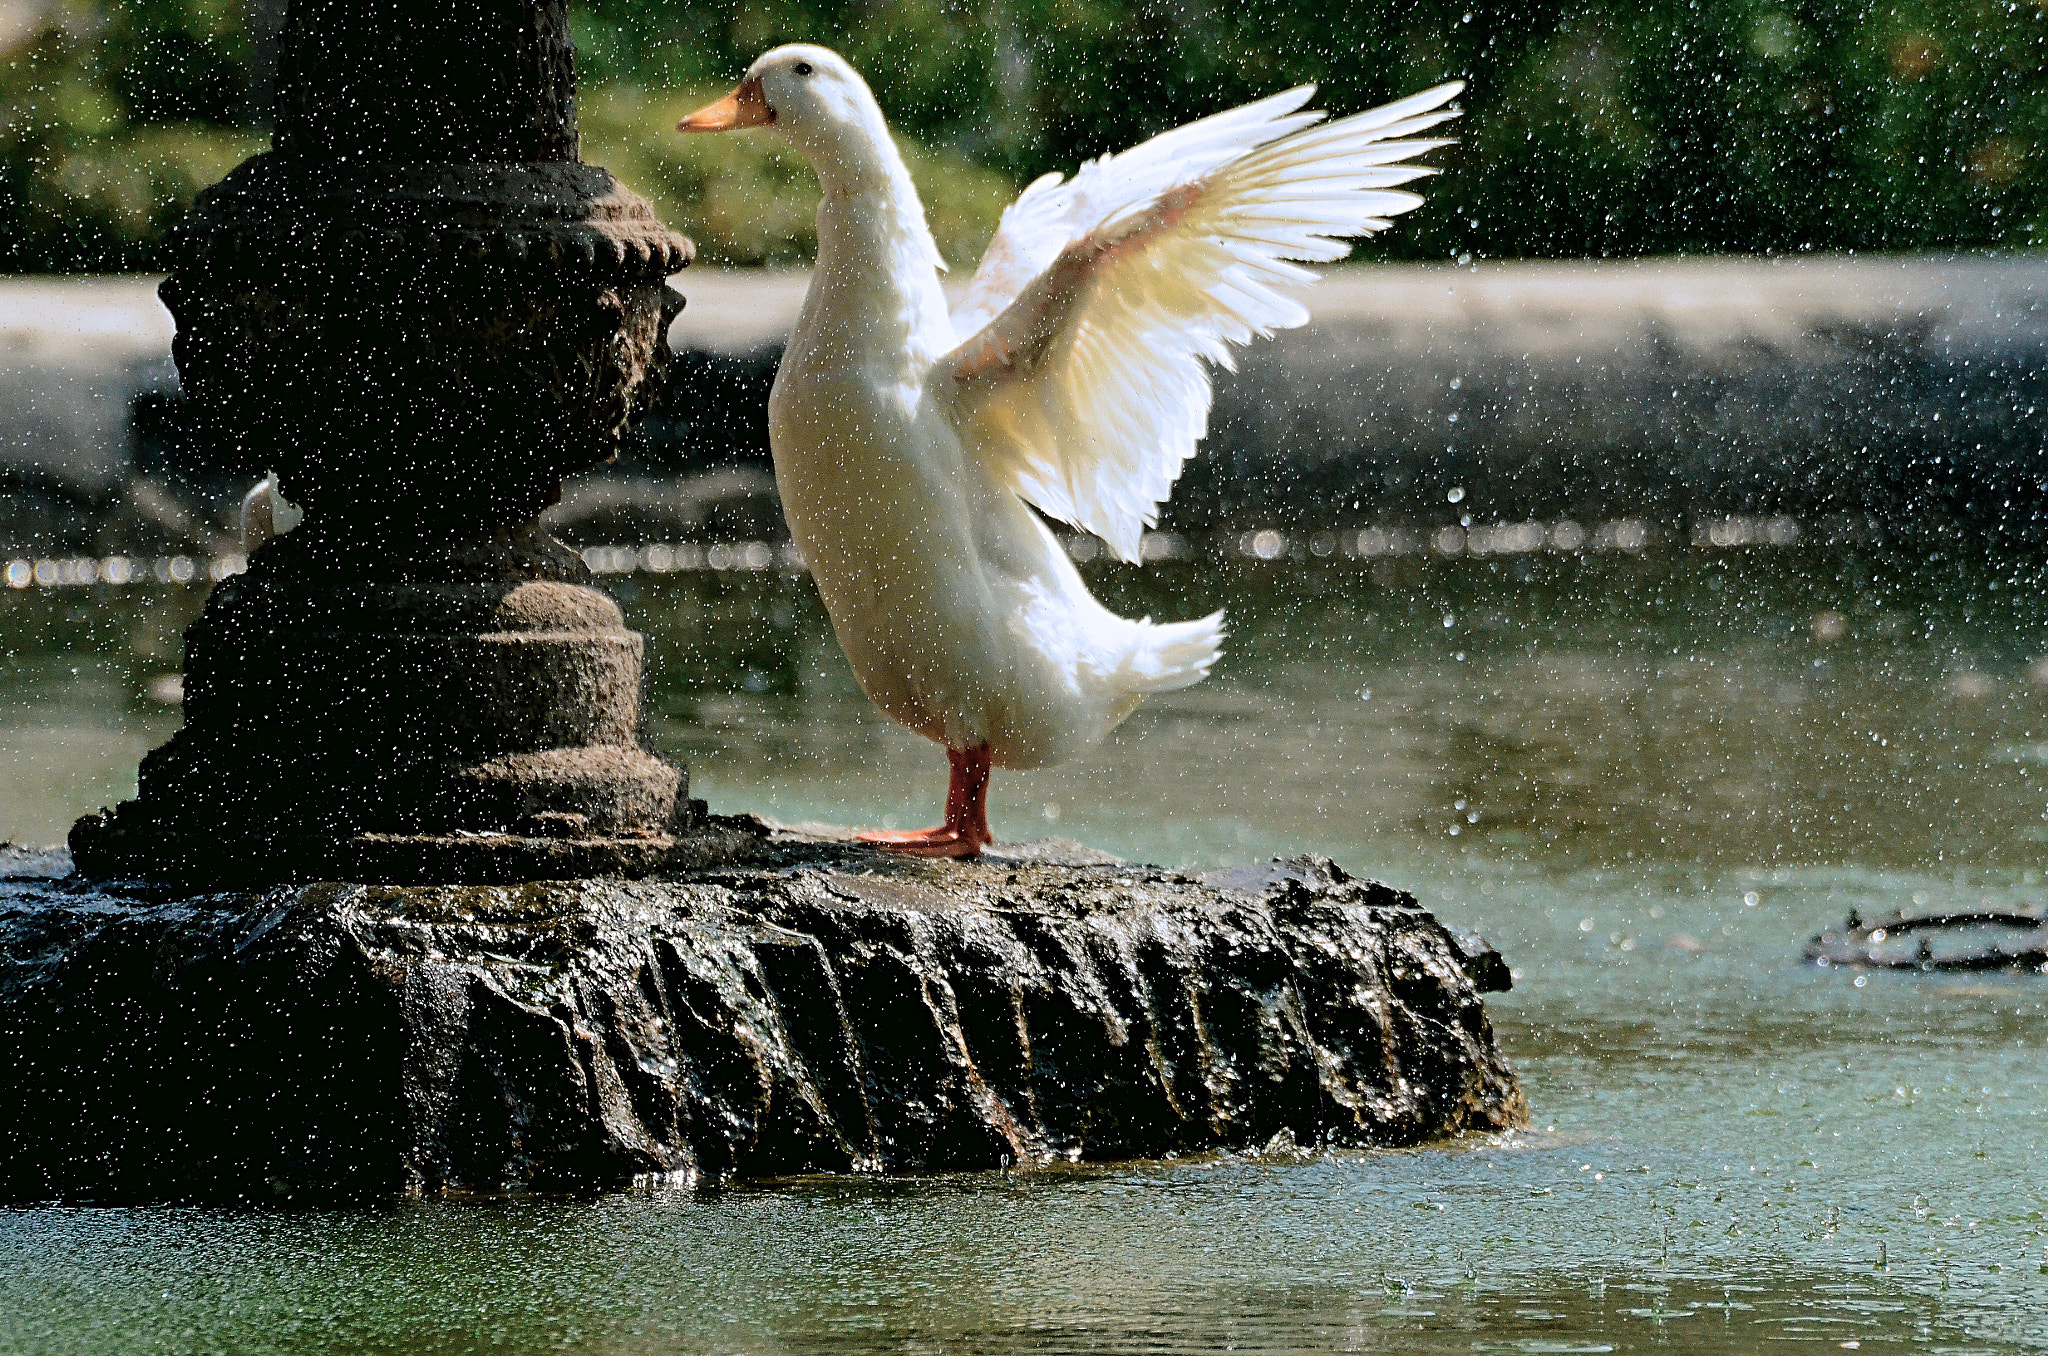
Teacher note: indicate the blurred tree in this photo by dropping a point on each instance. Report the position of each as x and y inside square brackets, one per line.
[112, 116]
[1594, 126]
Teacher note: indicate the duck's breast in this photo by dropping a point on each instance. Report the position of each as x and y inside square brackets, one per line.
[958, 611]
[871, 495]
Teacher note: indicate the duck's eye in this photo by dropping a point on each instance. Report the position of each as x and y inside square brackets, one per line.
[803, 68]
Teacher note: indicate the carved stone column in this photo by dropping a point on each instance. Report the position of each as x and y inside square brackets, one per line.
[423, 311]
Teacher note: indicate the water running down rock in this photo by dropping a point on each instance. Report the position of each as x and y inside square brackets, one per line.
[818, 1007]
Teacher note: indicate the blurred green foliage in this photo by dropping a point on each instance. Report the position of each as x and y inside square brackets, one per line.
[1593, 127]
[112, 116]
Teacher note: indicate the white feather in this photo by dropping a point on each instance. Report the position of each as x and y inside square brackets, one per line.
[1084, 383]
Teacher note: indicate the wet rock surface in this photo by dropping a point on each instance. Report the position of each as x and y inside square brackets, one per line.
[815, 1007]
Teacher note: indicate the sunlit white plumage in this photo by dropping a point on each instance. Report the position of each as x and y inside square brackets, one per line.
[1074, 376]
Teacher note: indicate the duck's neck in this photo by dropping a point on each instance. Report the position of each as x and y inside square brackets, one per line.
[875, 298]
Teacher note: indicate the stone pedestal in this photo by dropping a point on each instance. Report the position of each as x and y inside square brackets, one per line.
[469, 715]
[808, 1007]
[422, 311]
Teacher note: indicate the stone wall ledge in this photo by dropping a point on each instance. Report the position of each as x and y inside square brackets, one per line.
[1901, 389]
[815, 1008]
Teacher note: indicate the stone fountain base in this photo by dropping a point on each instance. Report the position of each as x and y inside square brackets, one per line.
[813, 1007]
[465, 713]
[107, 844]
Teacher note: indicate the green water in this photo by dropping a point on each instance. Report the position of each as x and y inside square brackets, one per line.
[1673, 769]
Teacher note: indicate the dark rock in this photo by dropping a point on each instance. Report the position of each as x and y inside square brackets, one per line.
[816, 1008]
[1488, 968]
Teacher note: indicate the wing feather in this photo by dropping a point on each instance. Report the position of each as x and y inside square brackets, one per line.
[1084, 383]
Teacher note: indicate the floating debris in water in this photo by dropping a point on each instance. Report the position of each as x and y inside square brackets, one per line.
[1965, 939]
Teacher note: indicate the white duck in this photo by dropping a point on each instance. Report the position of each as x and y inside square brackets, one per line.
[908, 442]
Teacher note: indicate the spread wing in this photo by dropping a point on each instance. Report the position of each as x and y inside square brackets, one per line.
[1082, 384]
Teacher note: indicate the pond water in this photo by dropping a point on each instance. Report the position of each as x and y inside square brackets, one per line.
[1648, 778]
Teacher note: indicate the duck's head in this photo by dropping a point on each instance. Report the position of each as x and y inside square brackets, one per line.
[805, 94]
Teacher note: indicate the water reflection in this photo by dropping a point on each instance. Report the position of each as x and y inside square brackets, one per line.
[1375, 1254]
[1674, 707]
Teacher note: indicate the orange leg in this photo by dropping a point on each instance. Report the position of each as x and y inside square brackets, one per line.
[965, 831]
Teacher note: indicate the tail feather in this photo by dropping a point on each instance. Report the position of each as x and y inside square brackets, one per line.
[1163, 658]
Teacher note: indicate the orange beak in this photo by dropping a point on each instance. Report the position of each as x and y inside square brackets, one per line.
[744, 107]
